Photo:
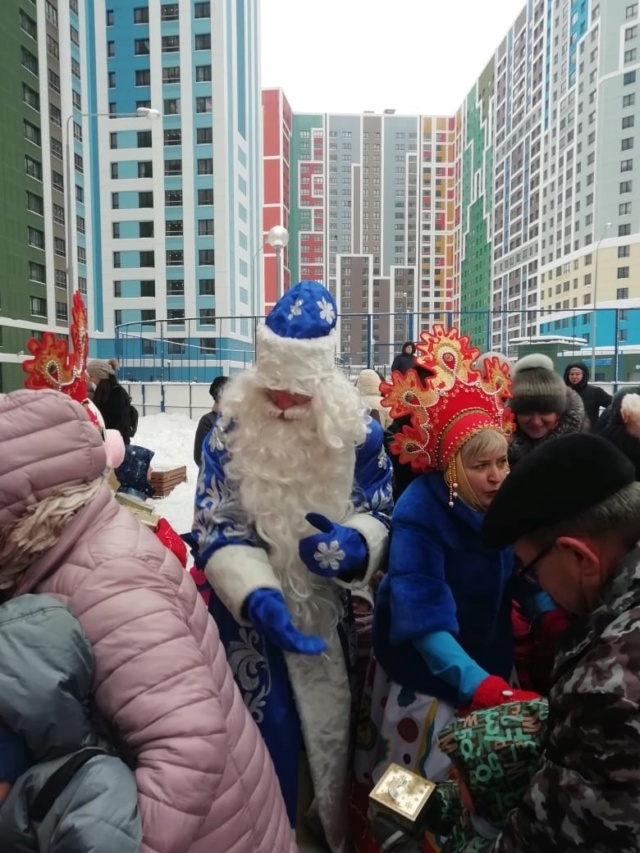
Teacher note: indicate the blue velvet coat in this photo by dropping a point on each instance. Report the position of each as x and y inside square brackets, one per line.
[441, 578]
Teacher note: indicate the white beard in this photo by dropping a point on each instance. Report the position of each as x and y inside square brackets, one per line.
[284, 468]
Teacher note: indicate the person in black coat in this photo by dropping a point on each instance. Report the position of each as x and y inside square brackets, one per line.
[110, 397]
[406, 359]
[594, 398]
[207, 421]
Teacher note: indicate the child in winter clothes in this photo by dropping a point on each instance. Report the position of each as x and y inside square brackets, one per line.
[495, 752]
[62, 790]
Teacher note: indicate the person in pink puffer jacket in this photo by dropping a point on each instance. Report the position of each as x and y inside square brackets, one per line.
[205, 779]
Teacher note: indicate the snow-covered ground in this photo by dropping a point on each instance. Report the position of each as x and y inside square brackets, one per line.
[170, 436]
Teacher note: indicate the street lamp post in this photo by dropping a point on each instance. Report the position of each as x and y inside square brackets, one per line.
[594, 324]
[141, 112]
[278, 238]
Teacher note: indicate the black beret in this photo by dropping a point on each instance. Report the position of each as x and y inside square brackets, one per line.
[555, 482]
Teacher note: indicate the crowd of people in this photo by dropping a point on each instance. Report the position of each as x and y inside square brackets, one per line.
[433, 574]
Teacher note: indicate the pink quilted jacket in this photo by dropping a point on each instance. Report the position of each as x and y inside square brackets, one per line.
[205, 781]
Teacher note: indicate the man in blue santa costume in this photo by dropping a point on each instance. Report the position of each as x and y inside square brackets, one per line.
[292, 512]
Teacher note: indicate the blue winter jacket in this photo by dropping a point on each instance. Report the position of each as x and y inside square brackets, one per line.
[441, 578]
[46, 674]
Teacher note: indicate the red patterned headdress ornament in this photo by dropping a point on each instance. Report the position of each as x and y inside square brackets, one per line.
[449, 407]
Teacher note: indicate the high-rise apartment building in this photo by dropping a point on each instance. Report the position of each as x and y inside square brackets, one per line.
[132, 171]
[44, 63]
[373, 215]
[276, 121]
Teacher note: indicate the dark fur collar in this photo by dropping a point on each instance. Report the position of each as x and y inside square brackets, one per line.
[573, 419]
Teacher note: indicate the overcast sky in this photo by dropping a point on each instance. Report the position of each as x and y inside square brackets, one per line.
[417, 56]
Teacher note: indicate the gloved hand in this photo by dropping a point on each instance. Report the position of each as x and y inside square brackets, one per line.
[495, 691]
[336, 550]
[267, 610]
[172, 540]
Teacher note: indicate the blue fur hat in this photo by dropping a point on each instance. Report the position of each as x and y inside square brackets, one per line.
[297, 344]
[15, 758]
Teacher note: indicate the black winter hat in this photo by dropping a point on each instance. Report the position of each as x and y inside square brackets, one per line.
[554, 483]
[537, 387]
[620, 424]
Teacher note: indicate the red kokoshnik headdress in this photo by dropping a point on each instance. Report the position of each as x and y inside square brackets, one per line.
[54, 367]
[450, 406]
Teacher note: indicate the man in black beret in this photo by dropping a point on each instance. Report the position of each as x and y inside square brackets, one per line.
[571, 509]
[205, 425]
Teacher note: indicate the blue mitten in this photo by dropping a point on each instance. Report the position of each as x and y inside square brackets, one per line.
[267, 610]
[334, 551]
[544, 603]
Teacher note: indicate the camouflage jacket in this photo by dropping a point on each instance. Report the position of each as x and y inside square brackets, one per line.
[585, 795]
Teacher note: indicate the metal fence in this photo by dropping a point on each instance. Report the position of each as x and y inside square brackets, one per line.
[185, 351]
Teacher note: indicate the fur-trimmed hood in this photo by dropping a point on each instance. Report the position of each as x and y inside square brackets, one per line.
[573, 419]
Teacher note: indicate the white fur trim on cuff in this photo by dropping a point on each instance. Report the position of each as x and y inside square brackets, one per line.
[290, 364]
[376, 535]
[235, 571]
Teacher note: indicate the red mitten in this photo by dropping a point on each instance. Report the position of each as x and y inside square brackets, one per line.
[170, 539]
[495, 691]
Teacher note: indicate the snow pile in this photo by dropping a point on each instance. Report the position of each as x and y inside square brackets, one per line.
[170, 436]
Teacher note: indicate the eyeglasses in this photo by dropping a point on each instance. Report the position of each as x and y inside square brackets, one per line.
[529, 569]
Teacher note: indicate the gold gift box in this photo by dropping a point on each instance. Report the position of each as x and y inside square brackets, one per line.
[402, 795]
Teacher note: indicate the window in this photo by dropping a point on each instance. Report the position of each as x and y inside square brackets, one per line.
[113, 141]
[33, 168]
[51, 12]
[61, 279]
[202, 10]
[171, 74]
[172, 106]
[173, 227]
[175, 346]
[175, 287]
[55, 115]
[628, 121]
[626, 165]
[625, 187]
[35, 237]
[80, 225]
[112, 80]
[145, 229]
[172, 167]
[28, 25]
[632, 10]
[207, 316]
[148, 288]
[147, 259]
[205, 166]
[627, 144]
[206, 257]
[203, 73]
[35, 204]
[59, 247]
[79, 193]
[141, 15]
[115, 230]
[117, 289]
[75, 35]
[117, 317]
[170, 44]
[82, 284]
[630, 33]
[141, 47]
[54, 81]
[205, 196]
[173, 198]
[148, 315]
[111, 50]
[117, 260]
[204, 135]
[30, 97]
[29, 61]
[32, 133]
[114, 171]
[624, 209]
[110, 17]
[37, 272]
[145, 199]
[145, 169]
[623, 272]
[624, 251]
[203, 105]
[207, 287]
[37, 305]
[175, 316]
[631, 55]
[175, 257]
[622, 293]
[205, 227]
[61, 312]
[203, 41]
[143, 77]
[173, 137]
[208, 346]
[144, 139]
[169, 12]
[76, 99]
